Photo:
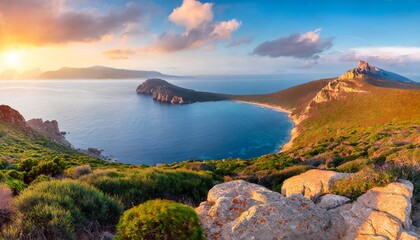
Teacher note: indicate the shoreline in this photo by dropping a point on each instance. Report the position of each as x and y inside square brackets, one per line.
[293, 132]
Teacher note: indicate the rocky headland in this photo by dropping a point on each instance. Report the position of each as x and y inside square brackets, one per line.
[163, 91]
[307, 210]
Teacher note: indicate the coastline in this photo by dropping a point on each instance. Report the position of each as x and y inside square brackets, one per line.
[293, 132]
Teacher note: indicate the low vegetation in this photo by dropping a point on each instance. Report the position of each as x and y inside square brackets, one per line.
[159, 219]
[64, 209]
[136, 186]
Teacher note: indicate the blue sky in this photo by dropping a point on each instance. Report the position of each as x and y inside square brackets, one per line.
[215, 36]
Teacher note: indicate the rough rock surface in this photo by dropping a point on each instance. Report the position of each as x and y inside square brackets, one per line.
[331, 201]
[10, 116]
[382, 212]
[49, 129]
[241, 210]
[311, 184]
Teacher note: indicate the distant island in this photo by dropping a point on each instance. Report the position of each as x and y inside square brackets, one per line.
[95, 72]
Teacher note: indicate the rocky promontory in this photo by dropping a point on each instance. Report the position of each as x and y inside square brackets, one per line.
[242, 210]
[163, 91]
[37, 127]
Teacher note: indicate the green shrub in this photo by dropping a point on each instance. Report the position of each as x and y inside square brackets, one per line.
[159, 219]
[136, 186]
[15, 174]
[277, 178]
[361, 182]
[353, 166]
[64, 208]
[16, 185]
[78, 171]
[41, 178]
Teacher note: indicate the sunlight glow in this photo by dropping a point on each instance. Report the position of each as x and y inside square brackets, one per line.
[12, 59]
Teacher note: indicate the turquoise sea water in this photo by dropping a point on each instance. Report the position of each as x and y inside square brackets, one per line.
[109, 115]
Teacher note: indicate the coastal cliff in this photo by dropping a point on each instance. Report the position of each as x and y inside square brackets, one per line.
[163, 91]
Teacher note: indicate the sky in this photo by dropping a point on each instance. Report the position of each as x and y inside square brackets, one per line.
[211, 37]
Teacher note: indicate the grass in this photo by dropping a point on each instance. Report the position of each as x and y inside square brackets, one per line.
[136, 186]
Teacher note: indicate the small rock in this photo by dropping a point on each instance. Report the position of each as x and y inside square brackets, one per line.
[331, 201]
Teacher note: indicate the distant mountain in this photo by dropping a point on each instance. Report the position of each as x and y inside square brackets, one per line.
[99, 72]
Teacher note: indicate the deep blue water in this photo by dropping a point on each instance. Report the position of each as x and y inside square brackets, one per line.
[108, 114]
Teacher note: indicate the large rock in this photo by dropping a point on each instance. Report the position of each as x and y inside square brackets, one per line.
[241, 210]
[381, 212]
[312, 184]
[12, 117]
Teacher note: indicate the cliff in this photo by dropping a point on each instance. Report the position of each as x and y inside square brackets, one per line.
[163, 91]
[48, 129]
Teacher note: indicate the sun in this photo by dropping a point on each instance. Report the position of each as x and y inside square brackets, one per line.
[12, 58]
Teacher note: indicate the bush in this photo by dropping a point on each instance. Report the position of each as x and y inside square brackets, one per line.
[78, 171]
[159, 219]
[15, 174]
[275, 180]
[361, 182]
[62, 209]
[137, 186]
[16, 185]
[353, 166]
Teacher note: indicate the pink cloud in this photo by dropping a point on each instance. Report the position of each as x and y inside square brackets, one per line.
[200, 29]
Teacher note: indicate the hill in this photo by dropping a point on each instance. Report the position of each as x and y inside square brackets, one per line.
[99, 72]
[163, 91]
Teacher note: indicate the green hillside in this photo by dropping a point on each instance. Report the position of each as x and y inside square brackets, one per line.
[49, 191]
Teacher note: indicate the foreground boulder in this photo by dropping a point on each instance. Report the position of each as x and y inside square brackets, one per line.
[312, 184]
[242, 210]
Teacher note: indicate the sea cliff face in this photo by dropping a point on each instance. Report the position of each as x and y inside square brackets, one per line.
[48, 129]
[162, 91]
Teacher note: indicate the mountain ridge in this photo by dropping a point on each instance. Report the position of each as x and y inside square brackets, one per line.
[70, 73]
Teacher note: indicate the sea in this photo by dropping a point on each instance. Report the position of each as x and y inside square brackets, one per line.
[135, 129]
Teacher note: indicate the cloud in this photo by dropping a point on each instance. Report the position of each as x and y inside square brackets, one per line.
[43, 22]
[192, 14]
[200, 29]
[120, 54]
[384, 55]
[305, 46]
[240, 41]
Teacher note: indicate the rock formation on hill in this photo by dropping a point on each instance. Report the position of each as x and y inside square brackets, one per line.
[48, 129]
[242, 210]
[163, 91]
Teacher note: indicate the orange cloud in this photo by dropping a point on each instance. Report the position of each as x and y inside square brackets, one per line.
[43, 22]
[119, 54]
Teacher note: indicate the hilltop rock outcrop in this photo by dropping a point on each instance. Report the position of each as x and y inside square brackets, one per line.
[48, 129]
[12, 117]
[242, 210]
